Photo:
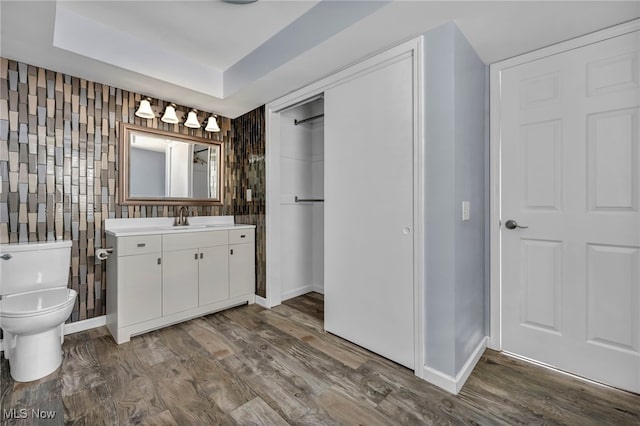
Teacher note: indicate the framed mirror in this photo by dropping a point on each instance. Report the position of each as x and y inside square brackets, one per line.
[159, 167]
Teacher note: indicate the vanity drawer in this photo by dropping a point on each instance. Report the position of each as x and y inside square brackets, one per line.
[140, 244]
[193, 240]
[239, 236]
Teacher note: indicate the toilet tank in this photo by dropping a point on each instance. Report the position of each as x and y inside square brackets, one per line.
[34, 266]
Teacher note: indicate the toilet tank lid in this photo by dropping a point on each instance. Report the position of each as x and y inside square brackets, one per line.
[34, 245]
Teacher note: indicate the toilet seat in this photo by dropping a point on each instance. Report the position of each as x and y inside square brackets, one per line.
[37, 302]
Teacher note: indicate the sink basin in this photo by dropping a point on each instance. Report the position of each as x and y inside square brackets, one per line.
[181, 227]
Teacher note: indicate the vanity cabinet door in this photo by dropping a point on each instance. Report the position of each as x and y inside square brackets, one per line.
[214, 274]
[242, 269]
[180, 281]
[139, 288]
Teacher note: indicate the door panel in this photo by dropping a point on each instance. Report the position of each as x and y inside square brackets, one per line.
[242, 269]
[140, 279]
[180, 281]
[213, 268]
[369, 211]
[570, 164]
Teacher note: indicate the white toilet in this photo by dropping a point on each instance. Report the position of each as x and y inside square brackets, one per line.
[35, 302]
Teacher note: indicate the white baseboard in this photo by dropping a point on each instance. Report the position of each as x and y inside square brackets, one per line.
[261, 301]
[88, 324]
[318, 288]
[454, 384]
[297, 292]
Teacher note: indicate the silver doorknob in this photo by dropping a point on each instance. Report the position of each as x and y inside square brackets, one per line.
[512, 224]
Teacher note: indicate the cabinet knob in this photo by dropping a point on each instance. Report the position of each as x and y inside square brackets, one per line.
[141, 244]
[201, 255]
[159, 261]
[195, 256]
[231, 251]
[242, 236]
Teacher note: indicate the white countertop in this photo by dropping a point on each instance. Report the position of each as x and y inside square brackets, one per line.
[164, 225]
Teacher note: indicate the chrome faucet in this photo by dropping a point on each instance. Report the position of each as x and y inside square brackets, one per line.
[181, 218]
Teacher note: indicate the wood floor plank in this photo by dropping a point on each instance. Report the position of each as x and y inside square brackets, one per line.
[80, 369]
[431, 407]
[546, 394]
[256, 413]
[267, 353]
[350, 411]
[317, 296]
[177, 339]
[133, 392]
[308, 305]
[209, 338]
[251, 365]
[178, 391]
[221, 386]
[163, 419]
[150, 349]
[289, 396]
[299, 317]
[91, 406]
[305, 360]
[343, 353]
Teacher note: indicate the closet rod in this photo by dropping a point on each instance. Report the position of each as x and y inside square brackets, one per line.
[308, 200]
[296, 122]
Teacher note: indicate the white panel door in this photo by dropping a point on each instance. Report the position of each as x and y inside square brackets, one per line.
[570, 173]
[369, 211]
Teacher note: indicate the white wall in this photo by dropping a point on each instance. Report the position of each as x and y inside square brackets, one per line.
[301, 174]
[455, 161]
[317, 191]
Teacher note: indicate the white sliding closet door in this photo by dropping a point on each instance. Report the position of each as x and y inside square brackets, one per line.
[369, 211]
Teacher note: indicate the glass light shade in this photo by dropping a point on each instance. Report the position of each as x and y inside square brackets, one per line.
[192, 120]
[170, 115]
[212, 125]
[144, 110]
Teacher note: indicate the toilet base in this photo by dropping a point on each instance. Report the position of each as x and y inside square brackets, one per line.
[33, 356]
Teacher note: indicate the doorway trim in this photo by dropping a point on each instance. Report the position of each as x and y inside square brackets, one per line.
[411, 48]
[495, 147]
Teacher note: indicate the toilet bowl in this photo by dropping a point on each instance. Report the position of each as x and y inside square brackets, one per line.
[35, 304]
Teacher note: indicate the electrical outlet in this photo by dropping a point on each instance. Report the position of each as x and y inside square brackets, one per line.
[248, 195]
[466, 211]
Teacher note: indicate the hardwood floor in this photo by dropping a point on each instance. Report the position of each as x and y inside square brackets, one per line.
[253, 366]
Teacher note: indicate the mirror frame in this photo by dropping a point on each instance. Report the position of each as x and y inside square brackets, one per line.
[125, 198]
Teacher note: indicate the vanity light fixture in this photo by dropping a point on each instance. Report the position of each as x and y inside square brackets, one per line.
[144, 110]
[192, 120]
[170, 115]
[212, 124]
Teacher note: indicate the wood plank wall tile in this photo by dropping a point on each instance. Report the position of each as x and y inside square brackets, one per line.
[59, 139]
[248, 151]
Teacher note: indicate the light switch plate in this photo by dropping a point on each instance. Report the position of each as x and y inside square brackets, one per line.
[248, 195]
[466, 211]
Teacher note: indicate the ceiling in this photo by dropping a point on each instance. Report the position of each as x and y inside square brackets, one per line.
[228, 58]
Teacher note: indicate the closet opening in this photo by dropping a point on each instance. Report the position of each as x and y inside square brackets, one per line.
[301, 219]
